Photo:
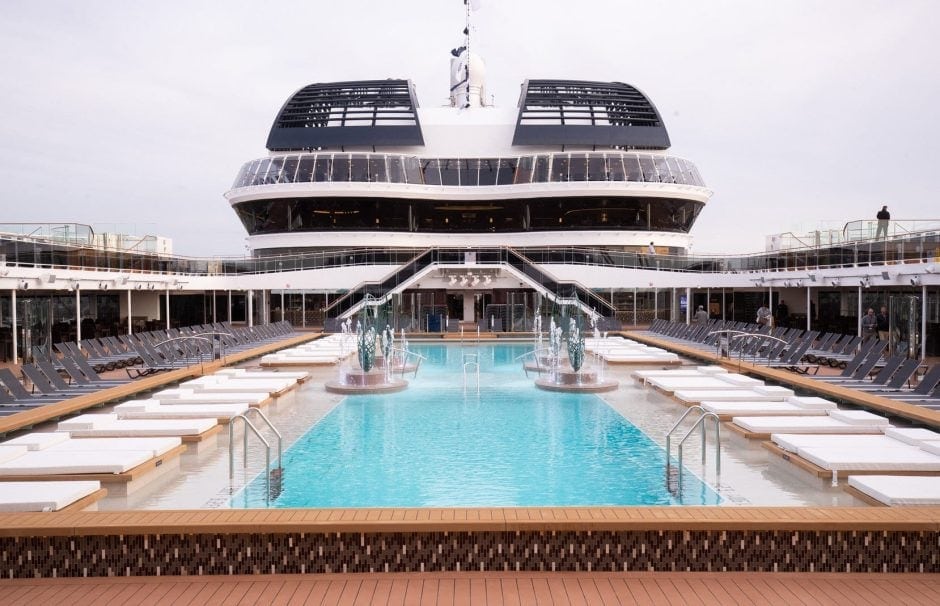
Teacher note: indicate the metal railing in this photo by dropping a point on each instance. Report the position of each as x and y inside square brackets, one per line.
[699, 422]
[267, 447]
[24, 251]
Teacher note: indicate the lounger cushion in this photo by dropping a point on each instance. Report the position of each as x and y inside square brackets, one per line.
[180, 411]
[147, 428]
[899, 490]
[156, 445]
[931, 446]
[86, 421]
[38, 440]
[865, 458]
[859, 417]
[813, 402]
[51, 462]
[773, 390]
[740, 380]
[43, 496]
[796, 442]
[697, 383]
[912, 435]
[188, 396]
[244, 373]
[755, 409]
[738, 395]
[800, 424]
[8, 452]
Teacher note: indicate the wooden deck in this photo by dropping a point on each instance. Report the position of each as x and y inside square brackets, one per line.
[49, 412]
[234, 521]
[912, 412]
[483, 588]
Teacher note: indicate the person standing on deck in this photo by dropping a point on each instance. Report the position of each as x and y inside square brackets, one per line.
[701, 316]
[869, 325]
[883, 217]
[882, 324]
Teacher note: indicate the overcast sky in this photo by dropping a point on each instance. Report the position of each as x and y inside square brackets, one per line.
[135, 116]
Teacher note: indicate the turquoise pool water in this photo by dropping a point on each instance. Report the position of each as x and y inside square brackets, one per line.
[439, 445]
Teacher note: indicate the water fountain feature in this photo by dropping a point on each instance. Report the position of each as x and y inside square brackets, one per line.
[566, 369]
[375, 373]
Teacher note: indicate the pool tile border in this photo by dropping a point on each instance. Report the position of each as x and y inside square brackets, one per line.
[845, 540]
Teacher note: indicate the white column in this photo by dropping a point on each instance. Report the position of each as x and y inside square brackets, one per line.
[469, 306]
[168, 308]
[251, 319]
[215, 317]
[688, 305]
[809, 307]
[722, 304]
[655, 304]
[78, 318]
[303, 309]
[923, 321]
[282, 305]
[634, 305]
[130, 324]
[859, 320]
[229, 316]
[16, 338]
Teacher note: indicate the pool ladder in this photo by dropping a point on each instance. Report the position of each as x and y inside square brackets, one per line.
[471, 362]
[703, 417]
[267, 449]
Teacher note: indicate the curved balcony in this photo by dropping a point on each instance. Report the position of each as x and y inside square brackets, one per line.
[468, 172]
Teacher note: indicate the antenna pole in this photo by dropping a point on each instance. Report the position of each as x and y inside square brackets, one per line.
[466, 5]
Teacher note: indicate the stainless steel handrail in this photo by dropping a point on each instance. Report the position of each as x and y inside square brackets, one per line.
[698, 422]
[231, 453]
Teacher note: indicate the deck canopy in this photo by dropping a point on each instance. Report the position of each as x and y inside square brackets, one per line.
[334, 115]
[588, 114]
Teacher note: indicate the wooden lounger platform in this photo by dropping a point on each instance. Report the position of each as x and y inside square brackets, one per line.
[861, 496]
[108, 478]
[85, 501]
[869, 401]
[823, 473]
[39, 414]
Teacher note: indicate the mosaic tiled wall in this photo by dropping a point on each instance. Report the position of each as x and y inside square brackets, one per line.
[211, 554]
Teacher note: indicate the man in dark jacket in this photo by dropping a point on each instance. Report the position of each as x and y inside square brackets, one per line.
[881, 322]
[883, 217]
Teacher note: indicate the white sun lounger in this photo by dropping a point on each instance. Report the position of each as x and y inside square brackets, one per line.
[899, 490]
[188, 396]
[932, 446]
[156, 446]
[10, 452]
[728, 410]
[148, 409]
[57, 462]
[719, 382]
[869, 458]
[801, 424]
[209, 385]
[109, 425]
[915, 436]
[39, 440]
[767, 393]
[684, 371]
[43, 496]
[860, 417]
[244, 373]
[797, 442]
[312, 360]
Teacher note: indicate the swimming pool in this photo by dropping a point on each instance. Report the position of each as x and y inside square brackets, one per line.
[443, 444]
